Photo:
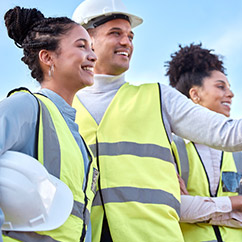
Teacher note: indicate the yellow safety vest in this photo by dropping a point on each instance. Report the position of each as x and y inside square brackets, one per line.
[193, 172]
[61, 156]
[138, 188]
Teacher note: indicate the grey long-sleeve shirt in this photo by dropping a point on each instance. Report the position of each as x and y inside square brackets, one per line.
[181, 116]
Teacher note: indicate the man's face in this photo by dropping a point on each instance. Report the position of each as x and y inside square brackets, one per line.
[113, 46]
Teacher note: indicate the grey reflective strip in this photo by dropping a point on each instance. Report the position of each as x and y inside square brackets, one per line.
[131, 148]
[93, 148]
[182, 152]
[50, 143]
[29, 236]
[77, 210]
[133, 194]
[238, 161]
[210, 241]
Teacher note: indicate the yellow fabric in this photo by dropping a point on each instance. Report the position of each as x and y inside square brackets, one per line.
[198, 185]
[72, 174]
[134, 115]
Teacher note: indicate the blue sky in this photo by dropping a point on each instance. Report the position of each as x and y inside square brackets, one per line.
[167, 23]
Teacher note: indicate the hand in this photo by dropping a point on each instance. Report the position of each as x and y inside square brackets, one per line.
[183, 188]
[236, 202]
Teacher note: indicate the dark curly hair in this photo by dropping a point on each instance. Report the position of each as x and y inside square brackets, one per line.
[33, 32]
[190, 65]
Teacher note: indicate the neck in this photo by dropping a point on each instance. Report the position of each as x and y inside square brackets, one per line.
[66, 94]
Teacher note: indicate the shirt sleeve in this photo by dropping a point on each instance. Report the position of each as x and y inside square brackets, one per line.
[198, 124]
[215, 211]
[1, 222]
[18, 116]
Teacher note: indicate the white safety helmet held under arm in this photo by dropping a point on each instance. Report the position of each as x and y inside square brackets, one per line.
[31, 198]
[92, 13]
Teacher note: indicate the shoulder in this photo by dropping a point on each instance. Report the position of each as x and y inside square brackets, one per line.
[19, 103]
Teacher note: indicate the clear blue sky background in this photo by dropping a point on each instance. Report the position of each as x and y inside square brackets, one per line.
[167, 23]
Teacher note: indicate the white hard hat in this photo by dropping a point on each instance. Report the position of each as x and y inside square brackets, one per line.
[31, 198]
[89, 12]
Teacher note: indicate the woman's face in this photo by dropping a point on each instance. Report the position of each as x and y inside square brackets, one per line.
[215, 93]
[74, 61]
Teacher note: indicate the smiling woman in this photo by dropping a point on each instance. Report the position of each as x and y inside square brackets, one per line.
[207, 174]
[59, 54]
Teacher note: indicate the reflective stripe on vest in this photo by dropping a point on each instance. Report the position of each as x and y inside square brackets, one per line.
[131, 148]
[182, 152]
[141, 195]
[29, 236]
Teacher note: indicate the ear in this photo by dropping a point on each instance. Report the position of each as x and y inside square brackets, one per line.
[194, 94]
[45, 57]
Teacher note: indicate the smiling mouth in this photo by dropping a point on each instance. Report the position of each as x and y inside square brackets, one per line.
[226, 104]
[123, 53]
[88, 68]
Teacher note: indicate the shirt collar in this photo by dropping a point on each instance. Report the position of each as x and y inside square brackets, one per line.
[60, 103]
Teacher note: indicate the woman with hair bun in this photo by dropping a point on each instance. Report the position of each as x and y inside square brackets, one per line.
[211, 201]
[59, 54]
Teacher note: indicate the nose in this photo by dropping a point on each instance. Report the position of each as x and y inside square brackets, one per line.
[126, 41]
[92, 56]
[230, 93]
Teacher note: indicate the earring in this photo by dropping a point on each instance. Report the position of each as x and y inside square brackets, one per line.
[51, 70]
[197, 100]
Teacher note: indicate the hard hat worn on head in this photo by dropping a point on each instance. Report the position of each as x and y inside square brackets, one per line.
[91, 12]
[31, 198]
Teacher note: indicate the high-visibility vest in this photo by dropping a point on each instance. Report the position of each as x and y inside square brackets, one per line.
[59, 152]
[138, 188]
[192, 170]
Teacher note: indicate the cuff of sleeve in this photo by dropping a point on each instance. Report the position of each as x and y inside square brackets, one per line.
[223, 204]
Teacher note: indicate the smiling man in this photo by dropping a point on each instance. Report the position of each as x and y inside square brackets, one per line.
[129, 131]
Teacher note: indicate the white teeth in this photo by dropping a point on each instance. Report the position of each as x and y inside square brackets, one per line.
[123, 53]
[226, 104]
[88, 68]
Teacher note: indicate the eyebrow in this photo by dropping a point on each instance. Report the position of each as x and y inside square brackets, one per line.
[81, 39]
[223, 82]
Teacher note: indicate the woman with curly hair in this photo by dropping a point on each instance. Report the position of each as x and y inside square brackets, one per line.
[59, 54]
[211, 204]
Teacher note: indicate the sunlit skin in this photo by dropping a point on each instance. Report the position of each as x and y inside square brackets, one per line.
[73, 64]
[112, 43]
[214, 94]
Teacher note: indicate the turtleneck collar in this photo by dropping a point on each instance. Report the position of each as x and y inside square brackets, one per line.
[104, 83]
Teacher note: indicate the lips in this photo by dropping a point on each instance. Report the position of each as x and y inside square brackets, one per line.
[123, 52]
[88, 68]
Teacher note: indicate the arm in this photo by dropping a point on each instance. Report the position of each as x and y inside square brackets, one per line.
[196, 123]
[215, 211]
[18, 115]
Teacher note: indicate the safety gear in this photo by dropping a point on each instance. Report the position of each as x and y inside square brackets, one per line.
[198, 185]
[31, 198]
[91, 11]
[59, 152]
[138, 182]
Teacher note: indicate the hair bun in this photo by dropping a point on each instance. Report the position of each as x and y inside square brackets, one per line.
[19, 21]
